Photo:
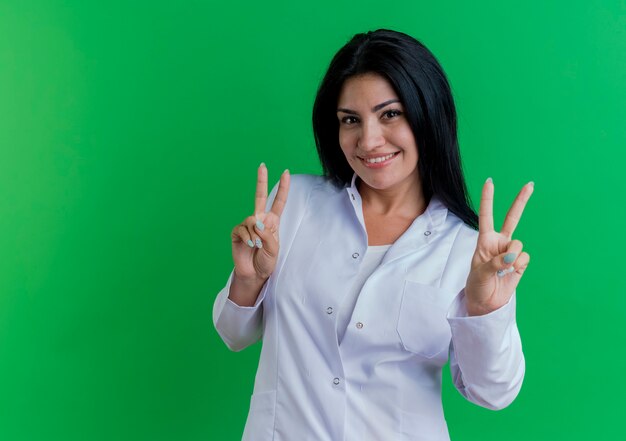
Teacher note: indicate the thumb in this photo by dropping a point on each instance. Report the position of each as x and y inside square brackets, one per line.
[266, 230]
[502, 264]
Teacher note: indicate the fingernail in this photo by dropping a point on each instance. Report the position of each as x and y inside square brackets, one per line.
[510, 257]
[532, 183]
[250, 243]
[286, 171]
[258, 243]
[504, 272]
[260, 225]
[489, 180]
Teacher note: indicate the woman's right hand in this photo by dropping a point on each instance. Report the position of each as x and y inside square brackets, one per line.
[255, 240]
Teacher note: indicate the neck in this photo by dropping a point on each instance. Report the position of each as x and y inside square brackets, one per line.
[405, 201]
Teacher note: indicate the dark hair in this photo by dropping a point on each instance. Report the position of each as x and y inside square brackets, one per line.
[422, 86]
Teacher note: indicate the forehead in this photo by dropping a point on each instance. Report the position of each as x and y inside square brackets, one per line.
[367, 89]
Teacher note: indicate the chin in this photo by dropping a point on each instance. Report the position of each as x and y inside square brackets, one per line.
[378, 184]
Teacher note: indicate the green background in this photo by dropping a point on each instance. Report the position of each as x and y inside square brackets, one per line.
[130, 132]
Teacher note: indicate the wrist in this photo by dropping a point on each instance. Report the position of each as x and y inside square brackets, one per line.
[482, 308]
[244, 291]
[474, 309]
[249, 281]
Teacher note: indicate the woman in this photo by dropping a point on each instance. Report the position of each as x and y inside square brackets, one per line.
[380, 275]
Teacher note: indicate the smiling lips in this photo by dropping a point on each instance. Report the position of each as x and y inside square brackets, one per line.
[379, 161]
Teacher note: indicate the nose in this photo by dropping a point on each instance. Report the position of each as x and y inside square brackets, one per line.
[371, 136]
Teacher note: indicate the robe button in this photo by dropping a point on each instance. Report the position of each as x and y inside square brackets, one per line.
[336, 381]
[359, 325]
[329, 310]
[355, 255]
[426, 233]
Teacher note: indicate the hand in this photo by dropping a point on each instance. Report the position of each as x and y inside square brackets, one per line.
[255, 240]
[498, 262]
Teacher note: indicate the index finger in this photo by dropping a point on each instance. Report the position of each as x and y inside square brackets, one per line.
[515, 212]
[260, 197]
[485, 213]
[281, 195]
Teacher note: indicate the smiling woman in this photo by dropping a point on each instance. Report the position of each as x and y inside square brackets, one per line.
[375, 137]
[365, 282]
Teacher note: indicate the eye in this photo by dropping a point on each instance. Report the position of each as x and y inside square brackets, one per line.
[391, 113]
[349, 120]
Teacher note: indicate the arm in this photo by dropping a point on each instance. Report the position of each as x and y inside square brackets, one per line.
[487, 363]
[486, 359]
[237, 311]
[238, 326]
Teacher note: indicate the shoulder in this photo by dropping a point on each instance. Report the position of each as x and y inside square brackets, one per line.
[306, 181]
[466, 236]
[305, 194]
[462, 246]
[301, 186]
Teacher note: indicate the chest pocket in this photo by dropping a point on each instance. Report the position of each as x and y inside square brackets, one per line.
[422, 324]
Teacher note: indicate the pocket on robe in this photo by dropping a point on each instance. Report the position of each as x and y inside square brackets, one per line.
[418, 427]
[422, 324]
[260, 422]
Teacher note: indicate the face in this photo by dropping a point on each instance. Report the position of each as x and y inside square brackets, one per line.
[375, 135]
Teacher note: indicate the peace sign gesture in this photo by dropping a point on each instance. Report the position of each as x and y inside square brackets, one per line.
[255, 240]
[498, 262]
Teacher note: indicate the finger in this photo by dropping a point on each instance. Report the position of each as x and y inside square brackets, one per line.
[502, 264]
[515, 212]
[522, 263]
[241, 233]
[250, 224]
[281, 195]
[508, 258]
[260, 197]
[513, 250]
[269, 242]
[485, 213]
[270, 222]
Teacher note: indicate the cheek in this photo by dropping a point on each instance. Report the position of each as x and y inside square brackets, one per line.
[347, 144]
[409, 140]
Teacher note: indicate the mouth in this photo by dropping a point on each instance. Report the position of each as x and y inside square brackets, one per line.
[378, 161]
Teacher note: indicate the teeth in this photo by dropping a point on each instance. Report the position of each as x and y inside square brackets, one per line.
[379, 159]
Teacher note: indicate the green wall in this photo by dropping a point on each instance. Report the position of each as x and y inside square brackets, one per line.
[130, 132]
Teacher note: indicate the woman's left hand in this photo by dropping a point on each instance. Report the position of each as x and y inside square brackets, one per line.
[498, 262]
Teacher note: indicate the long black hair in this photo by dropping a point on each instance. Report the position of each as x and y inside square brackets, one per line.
[422, 86]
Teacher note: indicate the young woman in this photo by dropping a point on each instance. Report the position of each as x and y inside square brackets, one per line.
[364, 282]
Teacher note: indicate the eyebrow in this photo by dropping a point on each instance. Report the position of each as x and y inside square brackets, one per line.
[376, 108]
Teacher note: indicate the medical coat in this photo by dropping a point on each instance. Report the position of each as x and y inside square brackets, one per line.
[383, 381]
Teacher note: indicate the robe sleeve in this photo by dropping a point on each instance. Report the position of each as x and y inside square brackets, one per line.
[486, 359]
[238, 326]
